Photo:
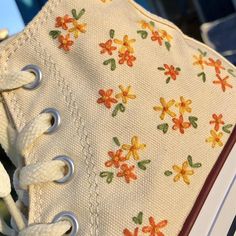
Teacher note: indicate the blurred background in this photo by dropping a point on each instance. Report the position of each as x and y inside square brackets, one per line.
[210, 21]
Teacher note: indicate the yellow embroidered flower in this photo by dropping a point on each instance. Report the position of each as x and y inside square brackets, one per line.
[165, 35]
[126, 44]
[165, 108]
[215, 139]
[145, 25]
[199, 60]
[77, 29]
[125, 94]
[133, 148]
[183, 172]
[106, 1]
[184, 105]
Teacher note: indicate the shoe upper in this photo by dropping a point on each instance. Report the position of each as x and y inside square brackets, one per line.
[145, 113]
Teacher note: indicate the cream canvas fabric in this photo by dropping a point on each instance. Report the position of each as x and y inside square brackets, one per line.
[146, 112]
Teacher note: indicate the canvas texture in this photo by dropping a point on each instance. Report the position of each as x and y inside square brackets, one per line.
[146, 112]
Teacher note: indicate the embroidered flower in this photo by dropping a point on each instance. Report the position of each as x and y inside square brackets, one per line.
[126, 57]
[116, 158]
[106, 98]
[107, 47]
[217, 64]
[156, 37]
[171, 71]
[165, 35]
[146, 25]
[77, 29]
[183, 105]
[71, 27]
[165, 108]
[125, 94]
[222, 82]
[217, 121]
[199, 60]
[65, 42]
[127, 172]
[215, 139]
[63, 21]
[180, 124]
[129, 233]
[133, 148]
[183, 172]
[126, 44]
[154, 229]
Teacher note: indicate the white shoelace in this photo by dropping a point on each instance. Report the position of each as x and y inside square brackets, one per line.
[18, 145]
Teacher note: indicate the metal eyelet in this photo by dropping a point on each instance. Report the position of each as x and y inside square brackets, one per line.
[71, 169]
[38, 76]
[56, 118]
[71, 217]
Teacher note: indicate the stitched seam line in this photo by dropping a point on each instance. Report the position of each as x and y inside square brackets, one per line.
[82, 133]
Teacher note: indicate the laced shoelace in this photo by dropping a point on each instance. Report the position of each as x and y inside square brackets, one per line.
[18, 145]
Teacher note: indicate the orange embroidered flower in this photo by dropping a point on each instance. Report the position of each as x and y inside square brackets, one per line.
[154, 229]
[217, 121]
[77, 29]
[145, 25]
[65, 42]
[215, 139]
[126, 44]
[165, 35]
[165, 108]
[180, 124]
[183, 172]
[107, 47]
[184, 105]
[133, 148]
[156, 37]
[106, 98]
[199, 61]
[63, 21]
[116, 158]
[223, 82]
[128, 233]
[125, 94]
[127, 172]
[126, 57]
[171, 71]
[216, 64]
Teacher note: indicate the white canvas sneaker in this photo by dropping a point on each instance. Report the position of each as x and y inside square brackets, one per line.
[117, 122]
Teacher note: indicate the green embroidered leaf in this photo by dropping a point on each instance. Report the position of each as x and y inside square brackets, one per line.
[54, 33]
[161, 68]
[168, 173]
[203, 75]
[190, 160]
[163, 127]
[112, 33]
[112, 62]
[226, 128]
[139, 219]
[168, 45]
[231, 71]
[152, 23]
[77, 16]
[193, 121]
[193, 165]
[178, 69]
[118, 107]
[116, 141]
[122, 107]
[108, 175]
[202, 53]
[168, 80]
[143, 33]
[142, 164]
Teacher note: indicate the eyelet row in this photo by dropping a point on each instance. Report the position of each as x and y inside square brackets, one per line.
[56, 122]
